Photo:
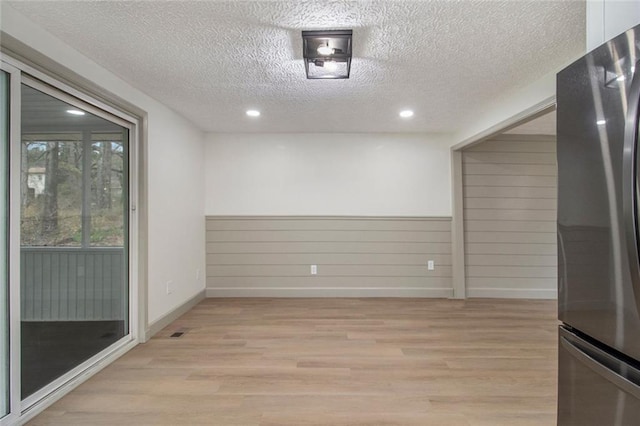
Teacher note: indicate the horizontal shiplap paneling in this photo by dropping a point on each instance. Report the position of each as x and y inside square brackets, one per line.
[510, 237]
[511, 214]
[323, 282]
[327, 247]
[509, 159]
[503, 203]
[510, 180]
[510, 204]
[328, 236]
[512, 192]
[514, 226]
[511, 260]
[324, 258]
[287, 223]
[349, 270]
[355, 256]
[517, 143]
[511, 169]
[510, 248]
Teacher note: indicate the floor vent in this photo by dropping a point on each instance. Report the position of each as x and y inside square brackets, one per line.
[177, 334]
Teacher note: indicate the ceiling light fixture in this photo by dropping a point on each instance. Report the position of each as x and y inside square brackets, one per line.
[75, 112]
[253, 113]
[327, 54]
[407, 113]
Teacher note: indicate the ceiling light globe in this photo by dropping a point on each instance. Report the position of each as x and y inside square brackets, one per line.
[407, 113]
[325, 50]
[330, 66]
[253, 113]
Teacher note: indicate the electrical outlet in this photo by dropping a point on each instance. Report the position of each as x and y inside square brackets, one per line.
[169, 287]
[314, 269]
[430, 265]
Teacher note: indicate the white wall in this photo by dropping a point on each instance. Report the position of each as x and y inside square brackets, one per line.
[327, 175]
[508, 110]
[175, 175]
[176, 210]
[608, 18]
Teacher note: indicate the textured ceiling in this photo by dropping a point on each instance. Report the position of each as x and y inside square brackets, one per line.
[212, 60]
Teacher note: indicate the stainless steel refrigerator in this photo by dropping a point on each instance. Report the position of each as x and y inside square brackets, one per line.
[598, 99]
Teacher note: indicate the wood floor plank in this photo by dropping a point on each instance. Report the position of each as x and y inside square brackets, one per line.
[333, 362]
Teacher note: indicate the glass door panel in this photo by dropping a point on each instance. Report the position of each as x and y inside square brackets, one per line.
[74, 237]
[4, 245]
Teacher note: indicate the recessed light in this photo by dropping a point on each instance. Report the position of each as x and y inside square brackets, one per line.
[601, 122]
[407, 113]
[253, 113]
[75, 112]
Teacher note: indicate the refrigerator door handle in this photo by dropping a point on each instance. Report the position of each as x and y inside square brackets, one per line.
[630, 181]
[590, 361]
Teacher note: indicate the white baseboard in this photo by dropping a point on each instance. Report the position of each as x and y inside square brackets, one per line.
[173, 315]
[329, 292]
[512, 293]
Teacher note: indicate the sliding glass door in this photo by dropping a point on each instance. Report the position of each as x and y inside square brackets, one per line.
[4, 246]
[68, 302]
[74, 236]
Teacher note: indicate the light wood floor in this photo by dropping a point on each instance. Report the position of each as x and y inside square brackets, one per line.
[333, 362]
